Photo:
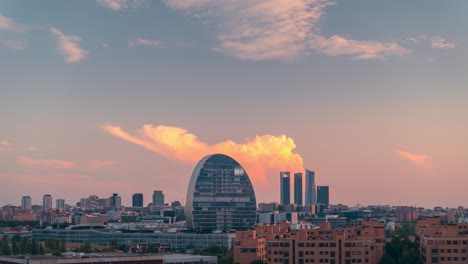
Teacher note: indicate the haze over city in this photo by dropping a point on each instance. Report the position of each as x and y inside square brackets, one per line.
[122, 96]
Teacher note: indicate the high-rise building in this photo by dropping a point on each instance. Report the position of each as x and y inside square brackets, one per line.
[84, 202]
[220, 196]
[115, 201]
[158, 198]
[26, 202]
[285, 187]
[60, 204]
[298, 188]
[137, 200]
[47, 202]
[310, 191]
[93, 202]
[323, 196]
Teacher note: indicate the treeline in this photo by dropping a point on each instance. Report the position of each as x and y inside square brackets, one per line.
[19, 223]
[25, 246]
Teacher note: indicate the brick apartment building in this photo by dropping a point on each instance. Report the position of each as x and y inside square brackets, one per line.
[442, 243]
[281, 244]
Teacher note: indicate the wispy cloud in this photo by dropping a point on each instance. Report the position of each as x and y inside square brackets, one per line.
[16, 45]
[146, 42]
[9, 24]
[7, 146]
[420, 160]
[436, 42]
[360, 50]
[276, 29]
[45, 163]
[121, 5]
[69, 46]
[104, 45]
[98, 164]
[261, 156]
[63, 164]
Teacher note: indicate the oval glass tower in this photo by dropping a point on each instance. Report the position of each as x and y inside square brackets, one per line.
[220, 196]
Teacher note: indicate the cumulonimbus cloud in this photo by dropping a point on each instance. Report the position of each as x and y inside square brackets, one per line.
[69, 46]
[262, 156]
[276, 29]
[420, 160]
[63, 164]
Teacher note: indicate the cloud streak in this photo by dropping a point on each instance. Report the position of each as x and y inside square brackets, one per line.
[63, 164]
[8, 24]
[420, 160]
[69, 46]
[145, 42]
[121, 5]
[262, 156]
[436, 42]
[285, 30]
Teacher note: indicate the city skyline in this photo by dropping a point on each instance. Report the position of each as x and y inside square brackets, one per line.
[131, 96]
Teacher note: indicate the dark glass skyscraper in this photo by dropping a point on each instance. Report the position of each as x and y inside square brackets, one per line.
[323, 196]
[310, 191]
[137, 200]
[285, 187]
[298, 188]
[158, 198]
[220, 196]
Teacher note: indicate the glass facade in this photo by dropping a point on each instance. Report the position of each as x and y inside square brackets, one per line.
[285, 187]
[220, 196]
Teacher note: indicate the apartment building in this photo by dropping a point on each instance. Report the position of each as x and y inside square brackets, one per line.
[280, 244]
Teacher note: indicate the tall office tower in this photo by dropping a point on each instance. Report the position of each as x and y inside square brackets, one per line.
[137, 200]
[115, 201]
[298, 188]
[26, 202]
[158, 198]
[323, 196]
[60, 204]
[285, 187]
[84, 202]
[310, 191]
[47, 202]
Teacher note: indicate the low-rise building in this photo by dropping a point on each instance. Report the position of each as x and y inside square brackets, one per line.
[281, 244]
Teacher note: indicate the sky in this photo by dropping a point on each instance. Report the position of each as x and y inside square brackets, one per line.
[126, 96]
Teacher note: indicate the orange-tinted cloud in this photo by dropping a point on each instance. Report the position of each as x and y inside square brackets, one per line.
[262, 156]
[46, 163]
[424, 161]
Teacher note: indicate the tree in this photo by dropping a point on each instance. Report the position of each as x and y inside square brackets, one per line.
[5, 249]
[41, 249]
[63, 246]
[34, 247]
[25, 246]
[153, 248]
[87, 248]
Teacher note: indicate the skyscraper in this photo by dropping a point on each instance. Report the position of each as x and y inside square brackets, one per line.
[298, 188]
[285, 187]
[47, 202]
[115, 201]
[137, 200]
[220, 196]
[26, 202]
[310, 191]
[158, 198]
[60, 204]
[323, 195]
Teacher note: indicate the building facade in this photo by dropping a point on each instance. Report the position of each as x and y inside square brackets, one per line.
[47, 202]
[158, 198]
[60, 204]
[298, 188]
[310, 191]
[323, 195]
[26, 203]
[280, 244]
[220, 196]
[442, 243]
[285, 187]
[137, 200]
